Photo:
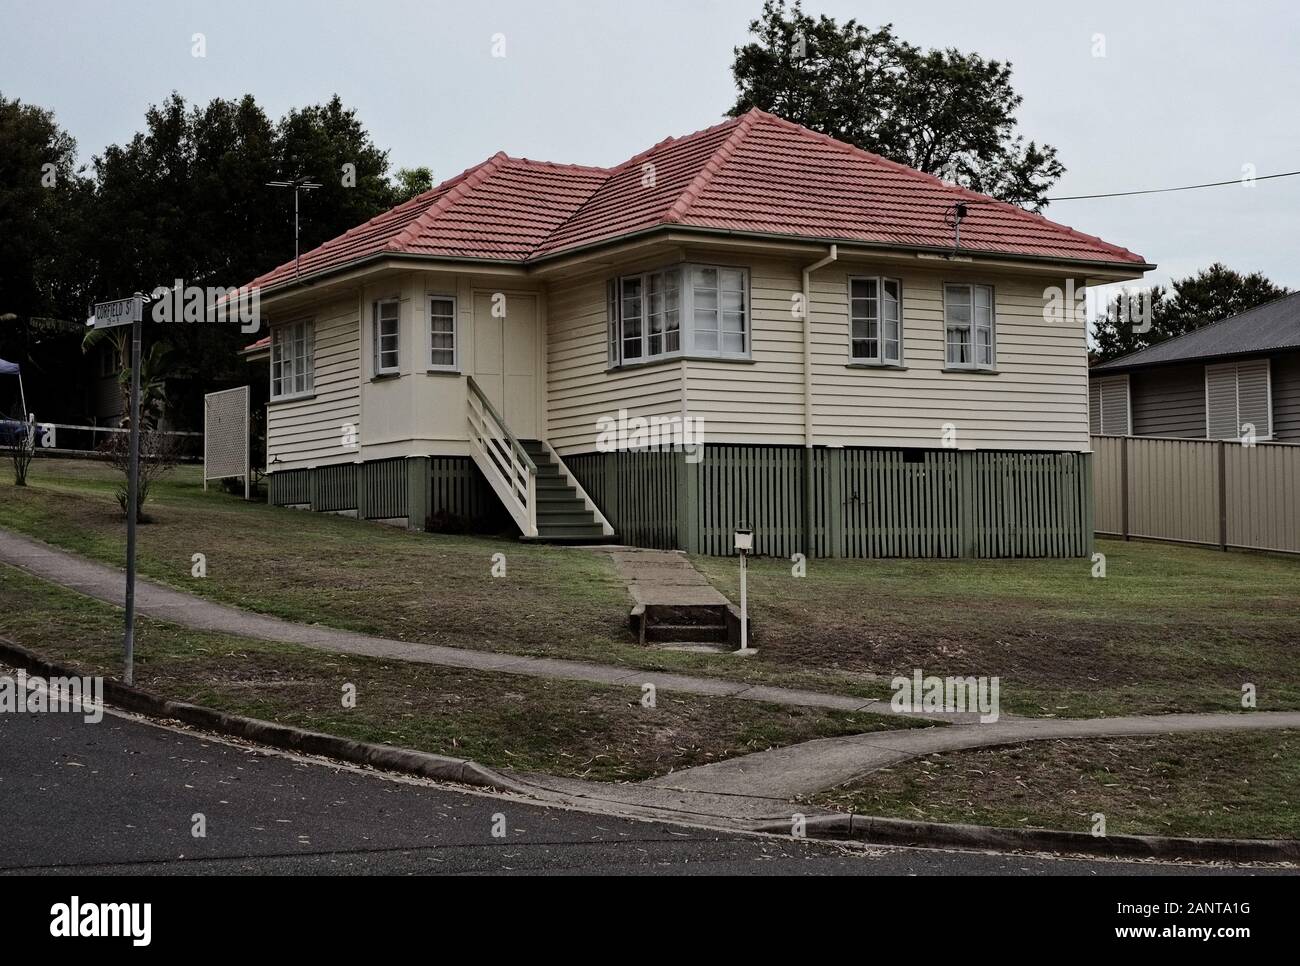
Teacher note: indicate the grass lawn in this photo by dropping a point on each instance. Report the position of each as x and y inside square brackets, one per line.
[562, 728]
[1233, 785]
[1168, 629]
[367, 577]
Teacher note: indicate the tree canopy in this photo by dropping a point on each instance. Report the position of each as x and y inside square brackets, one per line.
[1210, 295]
[943, 112]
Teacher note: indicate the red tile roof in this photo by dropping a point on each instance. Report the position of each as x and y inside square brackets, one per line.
[756, 174]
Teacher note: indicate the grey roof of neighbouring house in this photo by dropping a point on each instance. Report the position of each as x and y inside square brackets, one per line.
[1271, 327]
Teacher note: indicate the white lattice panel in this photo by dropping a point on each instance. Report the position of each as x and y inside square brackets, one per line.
[225, 433]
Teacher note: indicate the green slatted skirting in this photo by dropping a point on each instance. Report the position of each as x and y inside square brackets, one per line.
[638, 488]
[336, 487]
[867, 503]
[289, 487]
[386, 488]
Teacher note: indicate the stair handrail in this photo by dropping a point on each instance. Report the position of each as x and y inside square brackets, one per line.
[518, 475]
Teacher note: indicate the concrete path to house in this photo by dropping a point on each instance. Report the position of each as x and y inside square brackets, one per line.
[663, 577]
[739, 791]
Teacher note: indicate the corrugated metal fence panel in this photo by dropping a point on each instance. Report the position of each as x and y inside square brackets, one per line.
[386, 486]
[1029, 504]
[760, 486]
[336, 487]
[1173, 489]
[1263, 489]
[289, 487]
[1108, 483]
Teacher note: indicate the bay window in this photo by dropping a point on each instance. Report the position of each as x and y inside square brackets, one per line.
[686, 309]
[442, 332]
[387, 325]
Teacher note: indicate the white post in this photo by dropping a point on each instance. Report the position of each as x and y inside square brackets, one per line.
[744, 604]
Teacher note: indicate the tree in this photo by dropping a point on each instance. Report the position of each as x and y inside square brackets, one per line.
[187, 198]
[939, 111]
[1210, 295]
[409, 182]
[42, 278]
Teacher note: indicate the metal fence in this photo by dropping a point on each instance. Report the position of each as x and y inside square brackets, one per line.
[66, 439]
[1212, 492]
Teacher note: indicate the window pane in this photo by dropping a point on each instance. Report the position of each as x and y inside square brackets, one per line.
[672, 311]
[863, 288]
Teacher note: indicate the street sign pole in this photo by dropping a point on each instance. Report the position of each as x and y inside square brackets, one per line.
[132, 491]
[129, 311]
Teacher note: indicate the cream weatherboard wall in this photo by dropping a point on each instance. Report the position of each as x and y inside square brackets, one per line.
[418, 410]
[580, 387]
[1036, 400]
[308, 431]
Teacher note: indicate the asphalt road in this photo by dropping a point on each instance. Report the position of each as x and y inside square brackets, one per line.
[122, 796]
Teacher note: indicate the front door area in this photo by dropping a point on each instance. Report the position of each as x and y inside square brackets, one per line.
[505, 357]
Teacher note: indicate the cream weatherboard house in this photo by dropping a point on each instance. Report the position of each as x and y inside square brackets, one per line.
[861, 353]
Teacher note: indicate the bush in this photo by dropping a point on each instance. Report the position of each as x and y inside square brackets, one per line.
[157, 459]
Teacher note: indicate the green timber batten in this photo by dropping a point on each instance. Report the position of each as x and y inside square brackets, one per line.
[447, 490]
[866, 502]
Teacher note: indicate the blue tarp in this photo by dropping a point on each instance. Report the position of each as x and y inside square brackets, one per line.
[8, 368]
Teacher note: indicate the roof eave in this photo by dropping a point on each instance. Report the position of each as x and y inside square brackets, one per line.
[1118, 270]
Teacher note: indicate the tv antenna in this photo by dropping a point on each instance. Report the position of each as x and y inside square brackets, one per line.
[298, 185]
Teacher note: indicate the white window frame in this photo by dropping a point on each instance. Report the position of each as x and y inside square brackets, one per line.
[879, 359]
[974, 365]
[378, 335]
[618, 342]
[298, 367]
[454, 366]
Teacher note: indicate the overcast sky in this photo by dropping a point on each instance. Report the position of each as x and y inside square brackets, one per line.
[1187, 92]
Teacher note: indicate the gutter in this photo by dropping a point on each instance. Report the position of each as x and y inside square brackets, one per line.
[808, 429]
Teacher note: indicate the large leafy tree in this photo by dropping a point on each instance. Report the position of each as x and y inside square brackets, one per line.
[1211, 294]
[940, 111]
[42, 195]
[187, 198]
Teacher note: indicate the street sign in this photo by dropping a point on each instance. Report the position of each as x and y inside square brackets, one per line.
[118, 312]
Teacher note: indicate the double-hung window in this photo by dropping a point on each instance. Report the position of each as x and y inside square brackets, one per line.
[691, 309]
[968, 325]
[442, 332]
[291, 359]
[387, 324]
[875, 321]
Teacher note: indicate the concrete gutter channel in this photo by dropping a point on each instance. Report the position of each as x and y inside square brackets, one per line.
[661, 801]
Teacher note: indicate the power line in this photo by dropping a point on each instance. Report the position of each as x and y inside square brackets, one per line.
[1187, 187]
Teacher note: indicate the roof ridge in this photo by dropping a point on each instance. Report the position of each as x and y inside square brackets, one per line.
[470, 179]
[671, 139]
[1236, 316]
[559, 164]
[721, 155]
[967, 192]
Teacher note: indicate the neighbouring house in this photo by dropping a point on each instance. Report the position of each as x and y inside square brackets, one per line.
[1236, 377]
[856, 355]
